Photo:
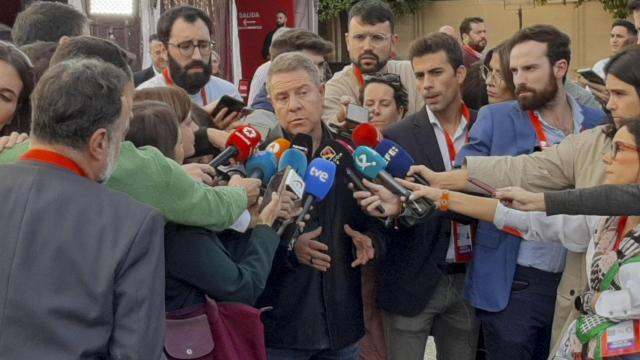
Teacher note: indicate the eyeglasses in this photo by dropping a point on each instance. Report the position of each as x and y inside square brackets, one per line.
[186, 48]
[617, 146]
[393, 79]
[376, 39]
[487, 73]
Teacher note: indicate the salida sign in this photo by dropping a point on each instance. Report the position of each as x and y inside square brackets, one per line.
[256, 18]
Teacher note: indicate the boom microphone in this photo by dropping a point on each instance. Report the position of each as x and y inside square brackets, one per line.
[366, 135]
[262, 165]
[295, 159]
[399, 160]
[278, 147]
[240, 145]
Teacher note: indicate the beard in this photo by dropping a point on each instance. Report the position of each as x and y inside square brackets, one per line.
[192, 83]
[379, 64]
[279, 24]
[537, 100]
[478, 46]
[112, 162]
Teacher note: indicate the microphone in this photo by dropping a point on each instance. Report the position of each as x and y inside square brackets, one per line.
[240, 146]
[340, 153]
[319, 180]
[262, 165]
[304, 143]
[372, 165]
[366, 135]
[294, 158]
[399, 161]
[278, 147]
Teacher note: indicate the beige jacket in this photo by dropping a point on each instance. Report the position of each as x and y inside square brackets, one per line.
[575, 162]
[344, 82]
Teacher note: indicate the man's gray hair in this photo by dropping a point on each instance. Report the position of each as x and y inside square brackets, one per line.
[75, 98]
[290, 62]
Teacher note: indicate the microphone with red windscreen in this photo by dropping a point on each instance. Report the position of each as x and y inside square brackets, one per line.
[366, 135]
[240, 146]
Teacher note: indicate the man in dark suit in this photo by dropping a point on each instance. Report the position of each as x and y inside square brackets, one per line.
[82, 266]
[158, 61]
[421, 274]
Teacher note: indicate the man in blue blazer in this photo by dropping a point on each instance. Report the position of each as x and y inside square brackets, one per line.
[512, 283]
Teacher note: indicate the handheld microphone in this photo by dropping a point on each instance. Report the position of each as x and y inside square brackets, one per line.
[227, 171]
[240, 146]
[319, 180]
[366, 135]
[399, 161]
[340, 153]
[262, 165]
[304, 143]
[294, 158]
[372, 165]
[278, 147]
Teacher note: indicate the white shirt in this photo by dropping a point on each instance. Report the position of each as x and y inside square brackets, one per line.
[259, 79]
[214, 89]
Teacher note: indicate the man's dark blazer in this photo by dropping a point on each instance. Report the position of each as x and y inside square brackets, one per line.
[143, 75]
[408, 270]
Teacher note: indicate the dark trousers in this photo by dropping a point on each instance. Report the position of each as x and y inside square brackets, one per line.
[523, 329]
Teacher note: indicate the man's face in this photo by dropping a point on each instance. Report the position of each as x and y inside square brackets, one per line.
[636, 21]
[477, 37]
[438, 83]
[158, 55]
[297, 102]
[122, 127]
[620, 38]
[281, 19]
[536, 81]
[189, 72]
[624, 100]
[370, 46]
[317, 60]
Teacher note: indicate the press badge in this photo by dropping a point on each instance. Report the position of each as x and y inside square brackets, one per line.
[621, 339]
[462, 235]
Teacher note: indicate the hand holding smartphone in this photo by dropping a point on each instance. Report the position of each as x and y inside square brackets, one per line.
[357, 114]
[591, 76]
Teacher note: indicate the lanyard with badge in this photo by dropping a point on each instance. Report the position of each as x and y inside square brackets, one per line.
[622, 338]
[463, 235]
[169, 80]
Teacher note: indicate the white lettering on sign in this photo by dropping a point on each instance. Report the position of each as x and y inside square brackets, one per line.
[249, 15]
[363, 163]
[322, 175]
[391, 153]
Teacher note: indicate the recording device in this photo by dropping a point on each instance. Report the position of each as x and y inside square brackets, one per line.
[591, 76]
[357, 114]
[399, 161]
[366, 135]
[304, 143]
[372, 165]
[240, 145]
[262, 165]
[295, 159]
[231, 103]
[340, 153]
[319, 180]
[227, 171]
[278, 147]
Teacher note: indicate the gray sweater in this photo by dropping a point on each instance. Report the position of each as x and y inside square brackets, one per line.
[608, 200]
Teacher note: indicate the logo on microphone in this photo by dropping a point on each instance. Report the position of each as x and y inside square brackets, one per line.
[363, 161]
[249, 132]
[391, 153]
[323, 176]
[274, 147]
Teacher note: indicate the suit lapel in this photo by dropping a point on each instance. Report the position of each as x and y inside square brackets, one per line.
[428, 150]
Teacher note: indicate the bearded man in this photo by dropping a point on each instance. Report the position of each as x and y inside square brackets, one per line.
[473, 32]
[186, 32]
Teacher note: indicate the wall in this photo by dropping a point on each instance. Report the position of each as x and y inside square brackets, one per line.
[588, 25]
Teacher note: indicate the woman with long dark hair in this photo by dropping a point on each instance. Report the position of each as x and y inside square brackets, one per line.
[16, 85]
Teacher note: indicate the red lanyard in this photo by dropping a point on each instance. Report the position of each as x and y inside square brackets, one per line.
[451, 146]
[169, 81]
[53, 158]
[537, 125]
[358, 73]
[620, 231]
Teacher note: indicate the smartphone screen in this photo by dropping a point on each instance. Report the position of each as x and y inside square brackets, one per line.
[357, 114]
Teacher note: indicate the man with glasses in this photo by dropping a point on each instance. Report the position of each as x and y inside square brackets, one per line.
[371, 42]
[186, 32]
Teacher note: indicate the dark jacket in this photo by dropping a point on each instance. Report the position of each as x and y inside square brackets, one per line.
[606, 200]
[143, 75]
[408, 272]
[314, 310]
[228, 267]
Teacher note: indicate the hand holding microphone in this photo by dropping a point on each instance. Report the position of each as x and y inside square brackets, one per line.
[240, 146]
[399, 160]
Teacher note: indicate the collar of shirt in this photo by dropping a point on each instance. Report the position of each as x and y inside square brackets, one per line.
[155, 71]
[556, 135]
[53, 158]
[435, 122]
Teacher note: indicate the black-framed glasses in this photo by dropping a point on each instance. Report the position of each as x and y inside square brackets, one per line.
[186, 48]
[390, 78]
[617, 146]
[487, 73]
